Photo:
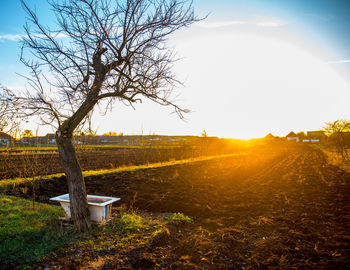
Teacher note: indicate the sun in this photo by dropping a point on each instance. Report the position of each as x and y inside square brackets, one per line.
[246, 85]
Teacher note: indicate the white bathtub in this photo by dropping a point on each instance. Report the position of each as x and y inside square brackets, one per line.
[100, 207]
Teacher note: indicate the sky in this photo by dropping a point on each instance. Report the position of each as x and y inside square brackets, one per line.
[250, 68]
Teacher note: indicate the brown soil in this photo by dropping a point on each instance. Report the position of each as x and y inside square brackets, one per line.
[27, 164]
[41, 163]
[280, 207]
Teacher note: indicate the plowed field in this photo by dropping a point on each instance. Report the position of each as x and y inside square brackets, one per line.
[42, 163]
[279, 206]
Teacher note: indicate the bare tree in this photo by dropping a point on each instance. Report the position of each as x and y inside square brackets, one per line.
[102, 51]
[9, 121]
[339, 136]
[5, 102]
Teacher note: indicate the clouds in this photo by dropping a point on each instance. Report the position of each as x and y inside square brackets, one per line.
[11, 37]
[271, 22]
[18, 37]
[219, 24]
[339, 61]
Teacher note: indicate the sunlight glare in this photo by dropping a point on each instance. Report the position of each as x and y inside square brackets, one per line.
[247, 85]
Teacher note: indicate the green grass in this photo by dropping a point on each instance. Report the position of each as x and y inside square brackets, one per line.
[28, 148]
[5, 183]
[28, 234]
[178, 218]
[85, 147]
[8, 183]
[78, 147]
[131, 222]
[129, 230]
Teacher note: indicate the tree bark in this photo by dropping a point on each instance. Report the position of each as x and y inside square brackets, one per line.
[76, 186]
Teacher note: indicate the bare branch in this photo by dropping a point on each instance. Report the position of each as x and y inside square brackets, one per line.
[101, 50]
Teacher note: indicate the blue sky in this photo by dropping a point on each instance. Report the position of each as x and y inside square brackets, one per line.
[323, 23]
[317, 30]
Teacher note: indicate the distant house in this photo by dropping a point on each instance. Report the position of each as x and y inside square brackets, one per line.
[292, 137]
[86, 140]
[269, 137]
[48, 139]
[28, 141]
[104, 139]
[107, 139]
[316, 136]
[5, 139]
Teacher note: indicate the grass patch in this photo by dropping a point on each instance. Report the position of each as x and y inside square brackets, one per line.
[13, 182]
[178, 218]
[8, 183]
[28, 234]
[111, 146]
[28, 148]
[29, 238]
[132, 222]
[130, 230]
[84, 147]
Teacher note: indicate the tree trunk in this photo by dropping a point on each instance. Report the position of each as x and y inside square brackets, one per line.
[76, 186]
